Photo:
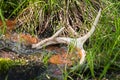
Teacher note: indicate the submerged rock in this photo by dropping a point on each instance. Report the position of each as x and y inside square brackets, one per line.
[26, 72]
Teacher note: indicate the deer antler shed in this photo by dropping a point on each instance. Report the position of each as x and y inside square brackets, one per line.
[79, 42]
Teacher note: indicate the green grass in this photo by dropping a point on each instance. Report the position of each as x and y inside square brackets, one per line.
[2, 30]
[103, 49]
[105, 42]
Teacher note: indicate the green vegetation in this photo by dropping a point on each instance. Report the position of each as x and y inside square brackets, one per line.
[6, 64]
[103, 48]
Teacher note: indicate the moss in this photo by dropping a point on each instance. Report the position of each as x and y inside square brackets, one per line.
[6, 64]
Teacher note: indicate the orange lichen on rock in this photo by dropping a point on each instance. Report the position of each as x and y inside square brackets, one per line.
[60, 59]
[65, 58]
[9, 23]
[26, 39]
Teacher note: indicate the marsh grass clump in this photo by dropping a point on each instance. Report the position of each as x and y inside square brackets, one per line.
[46, 17]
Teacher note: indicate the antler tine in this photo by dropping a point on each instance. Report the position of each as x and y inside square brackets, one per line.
[47, 39]
[81, 40]
[85, 37]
